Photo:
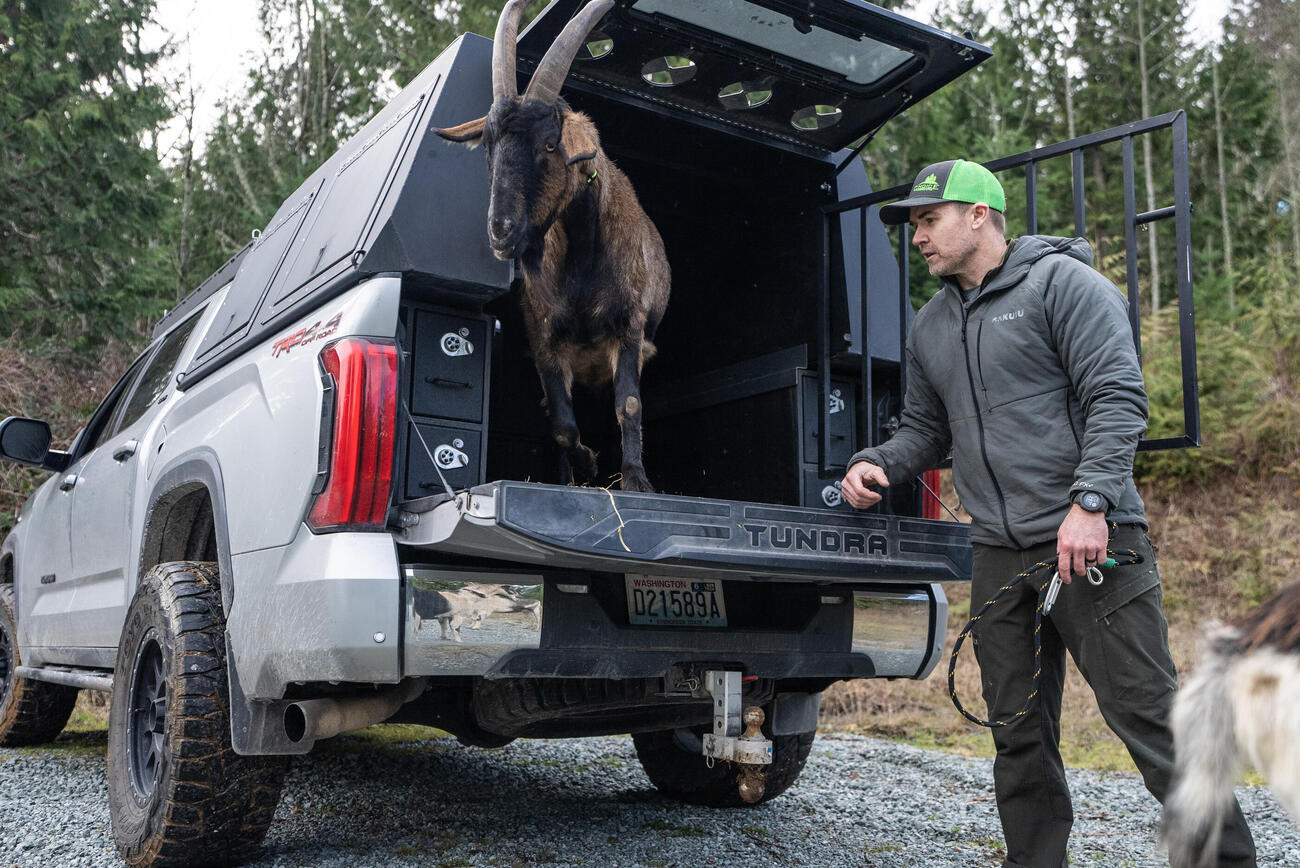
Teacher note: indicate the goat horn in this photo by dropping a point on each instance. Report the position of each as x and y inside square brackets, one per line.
[503, 50]
[550, 74]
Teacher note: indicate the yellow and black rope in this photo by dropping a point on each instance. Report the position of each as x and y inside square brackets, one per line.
[1124, 557]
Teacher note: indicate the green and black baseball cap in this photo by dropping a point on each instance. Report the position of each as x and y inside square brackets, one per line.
[949, 181]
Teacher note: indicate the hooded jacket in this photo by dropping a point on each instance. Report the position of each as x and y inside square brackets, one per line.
[1035, 387]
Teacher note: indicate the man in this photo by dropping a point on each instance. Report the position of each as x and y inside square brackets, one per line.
[1023, 365]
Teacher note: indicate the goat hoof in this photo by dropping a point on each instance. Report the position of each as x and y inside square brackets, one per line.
[582, 461]
[635, 480]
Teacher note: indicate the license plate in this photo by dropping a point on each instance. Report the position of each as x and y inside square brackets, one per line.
[667, 602]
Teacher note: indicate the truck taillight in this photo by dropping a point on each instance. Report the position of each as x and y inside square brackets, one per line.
[930, 503]
[360, 460]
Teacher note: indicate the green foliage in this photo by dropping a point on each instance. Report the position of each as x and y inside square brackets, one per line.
[82, 195]
[1248, 370]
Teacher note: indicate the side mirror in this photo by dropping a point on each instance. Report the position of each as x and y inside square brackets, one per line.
[27, 441]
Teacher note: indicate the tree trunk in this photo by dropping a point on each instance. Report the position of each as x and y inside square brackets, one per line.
[1289, 149]
[183, 250]
[1152, 248]
[1224, 222]
[1069, 102]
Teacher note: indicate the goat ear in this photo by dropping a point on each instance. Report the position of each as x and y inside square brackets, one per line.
[469, 133]
[578, 138]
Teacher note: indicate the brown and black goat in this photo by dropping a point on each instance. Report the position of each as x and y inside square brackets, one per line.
[595, 275]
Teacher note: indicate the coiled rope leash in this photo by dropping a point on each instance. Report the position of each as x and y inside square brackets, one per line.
[1047, 593]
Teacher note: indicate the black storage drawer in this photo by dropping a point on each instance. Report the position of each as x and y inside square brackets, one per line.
[843, 406]
[450, 362]
[458, 451]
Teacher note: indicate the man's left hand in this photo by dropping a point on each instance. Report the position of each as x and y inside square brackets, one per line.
[1081, 542]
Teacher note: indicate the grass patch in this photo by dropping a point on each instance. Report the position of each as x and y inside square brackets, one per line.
[90, 714]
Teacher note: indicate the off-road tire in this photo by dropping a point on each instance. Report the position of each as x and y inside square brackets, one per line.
[31, 712]
[680, 774]
[178, 793]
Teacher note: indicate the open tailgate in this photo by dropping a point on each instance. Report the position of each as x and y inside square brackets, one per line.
[615, 531]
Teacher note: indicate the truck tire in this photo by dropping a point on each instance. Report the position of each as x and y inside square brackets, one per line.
[31, 712]
[683, 775]
[178, 793]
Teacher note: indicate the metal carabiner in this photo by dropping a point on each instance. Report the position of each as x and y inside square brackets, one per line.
[1095, 577]
[1053, 589]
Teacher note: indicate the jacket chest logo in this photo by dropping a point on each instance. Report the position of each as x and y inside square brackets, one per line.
[1007, 317]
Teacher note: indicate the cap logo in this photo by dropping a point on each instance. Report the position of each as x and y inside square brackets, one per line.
[931, 182]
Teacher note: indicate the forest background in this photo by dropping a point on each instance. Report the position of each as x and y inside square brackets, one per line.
[108, 218]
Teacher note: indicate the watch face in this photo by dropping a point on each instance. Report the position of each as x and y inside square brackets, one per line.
[1091, 501]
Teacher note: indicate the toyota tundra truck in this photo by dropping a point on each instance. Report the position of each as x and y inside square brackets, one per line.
[326, 496]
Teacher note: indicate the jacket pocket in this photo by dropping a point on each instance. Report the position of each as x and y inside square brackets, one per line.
[1069, 414]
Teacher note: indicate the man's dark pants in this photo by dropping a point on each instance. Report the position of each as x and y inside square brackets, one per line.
[1117, 635]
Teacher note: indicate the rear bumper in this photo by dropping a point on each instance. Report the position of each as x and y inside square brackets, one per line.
[784, 630]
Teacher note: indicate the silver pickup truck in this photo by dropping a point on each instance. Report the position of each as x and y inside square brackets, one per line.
[323, 497]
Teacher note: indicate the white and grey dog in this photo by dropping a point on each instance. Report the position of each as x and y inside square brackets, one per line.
[1242, 704]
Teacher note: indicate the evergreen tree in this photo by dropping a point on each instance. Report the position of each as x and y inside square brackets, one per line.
[1237, 143]
[82, 195]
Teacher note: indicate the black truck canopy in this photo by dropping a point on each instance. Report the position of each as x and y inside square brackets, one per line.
[398, 199]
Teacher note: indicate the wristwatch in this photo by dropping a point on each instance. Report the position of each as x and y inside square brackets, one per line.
[1091, 501]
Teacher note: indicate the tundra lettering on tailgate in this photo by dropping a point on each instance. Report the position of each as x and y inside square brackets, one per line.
[765, 536]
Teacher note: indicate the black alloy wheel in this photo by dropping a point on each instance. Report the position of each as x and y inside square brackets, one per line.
[146, 726]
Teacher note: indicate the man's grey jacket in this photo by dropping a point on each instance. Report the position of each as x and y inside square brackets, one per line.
[1036, 388]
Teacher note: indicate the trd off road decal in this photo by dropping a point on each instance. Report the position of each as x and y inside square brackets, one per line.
[312, 333]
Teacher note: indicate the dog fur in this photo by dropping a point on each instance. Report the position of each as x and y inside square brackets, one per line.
[1242, 704]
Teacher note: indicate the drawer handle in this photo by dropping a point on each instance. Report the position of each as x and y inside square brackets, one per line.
[441, 381]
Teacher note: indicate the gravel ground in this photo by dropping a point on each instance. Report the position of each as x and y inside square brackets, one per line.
[361, 802]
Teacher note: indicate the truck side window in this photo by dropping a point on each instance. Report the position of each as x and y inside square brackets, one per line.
[153, 382]
[101, 424]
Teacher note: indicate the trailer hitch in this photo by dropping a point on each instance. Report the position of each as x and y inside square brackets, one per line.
[748, 749]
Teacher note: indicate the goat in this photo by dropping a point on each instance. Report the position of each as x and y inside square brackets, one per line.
[1242, 703]
[595, 274]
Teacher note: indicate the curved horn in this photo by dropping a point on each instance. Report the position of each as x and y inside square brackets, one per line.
[550, 74]
[503, 50]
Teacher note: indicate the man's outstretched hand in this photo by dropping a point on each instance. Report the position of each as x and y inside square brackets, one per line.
[856, 485]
